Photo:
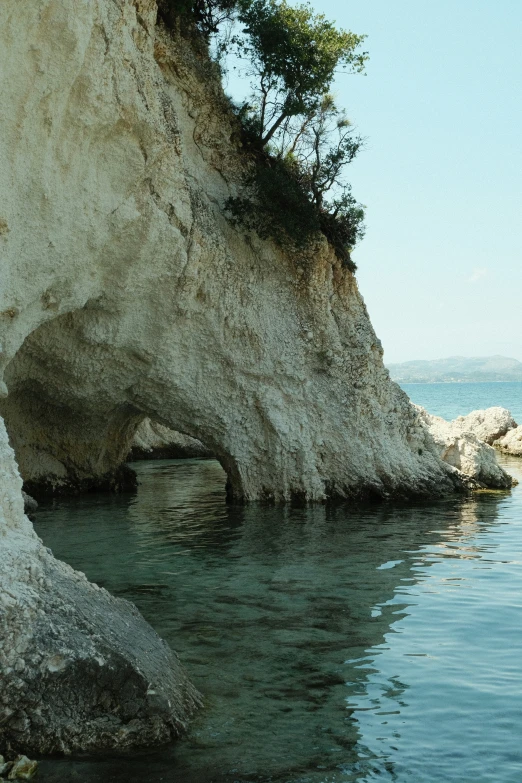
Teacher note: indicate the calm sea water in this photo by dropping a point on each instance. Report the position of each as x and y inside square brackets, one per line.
[333, 645]
[450, 400]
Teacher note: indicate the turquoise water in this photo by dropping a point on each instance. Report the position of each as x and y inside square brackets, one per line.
[333, 645]
[450, 400]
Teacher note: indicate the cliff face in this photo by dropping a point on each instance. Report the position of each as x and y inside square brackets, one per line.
[125, 293]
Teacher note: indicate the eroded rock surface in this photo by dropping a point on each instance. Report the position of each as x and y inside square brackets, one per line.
[154, 441]
[79, 668]
[511, 442]
[463, 450]
[126, 292]
[488, 425]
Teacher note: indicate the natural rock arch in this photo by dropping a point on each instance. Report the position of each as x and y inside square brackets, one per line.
[126, 292]
[127, 279]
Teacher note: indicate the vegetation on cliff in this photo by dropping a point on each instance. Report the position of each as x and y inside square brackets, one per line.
[299, 140]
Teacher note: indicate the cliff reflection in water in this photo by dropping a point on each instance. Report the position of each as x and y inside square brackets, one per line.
[331, 643]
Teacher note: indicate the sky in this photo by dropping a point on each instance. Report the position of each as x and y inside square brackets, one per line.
[440, 108]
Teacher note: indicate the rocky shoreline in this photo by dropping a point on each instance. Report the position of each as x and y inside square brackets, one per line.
[19, 768]
[127, 294]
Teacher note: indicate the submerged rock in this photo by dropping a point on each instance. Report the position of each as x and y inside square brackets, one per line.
[464, 451]
[5, 766]
[154, 441]
[511, 442]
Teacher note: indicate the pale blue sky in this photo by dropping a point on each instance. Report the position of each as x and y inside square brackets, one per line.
[441, 176]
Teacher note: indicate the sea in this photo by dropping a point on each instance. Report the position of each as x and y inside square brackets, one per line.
[450, 400]
[346, 644]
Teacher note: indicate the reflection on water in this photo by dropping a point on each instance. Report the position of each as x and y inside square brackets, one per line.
[332, 644]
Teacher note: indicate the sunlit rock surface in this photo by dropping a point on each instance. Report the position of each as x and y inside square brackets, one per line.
[495, 426]
[488, 425]
[125, 293]
[464, 451]
[511, 442]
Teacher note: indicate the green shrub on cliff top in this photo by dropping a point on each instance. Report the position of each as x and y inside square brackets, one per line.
[299, 140]
[205, 15]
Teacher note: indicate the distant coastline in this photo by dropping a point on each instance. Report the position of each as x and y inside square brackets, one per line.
[458, 369]
[444, 383]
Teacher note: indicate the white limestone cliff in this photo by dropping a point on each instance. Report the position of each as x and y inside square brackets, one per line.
[124, 294]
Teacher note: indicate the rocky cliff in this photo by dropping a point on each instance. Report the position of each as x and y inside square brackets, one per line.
[125, 293]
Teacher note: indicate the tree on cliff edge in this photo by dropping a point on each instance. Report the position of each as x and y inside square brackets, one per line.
[293, 55]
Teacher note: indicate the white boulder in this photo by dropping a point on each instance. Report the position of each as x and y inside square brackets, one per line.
[488, 425]
[511, 442]
[464, 451]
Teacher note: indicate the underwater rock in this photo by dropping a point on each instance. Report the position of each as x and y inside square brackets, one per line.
[22, 769]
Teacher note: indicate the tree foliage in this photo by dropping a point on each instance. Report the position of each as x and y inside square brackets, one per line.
[205, 15]
[300, 141]
[293, 55]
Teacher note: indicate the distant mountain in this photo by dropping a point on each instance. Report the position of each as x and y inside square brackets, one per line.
[484, 369]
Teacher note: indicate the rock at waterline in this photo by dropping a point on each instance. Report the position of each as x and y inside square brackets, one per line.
[511, 442]
[21, 768]
[30, 504]
[464, 450]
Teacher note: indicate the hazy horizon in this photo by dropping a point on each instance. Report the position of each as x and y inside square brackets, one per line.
[455, 356]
